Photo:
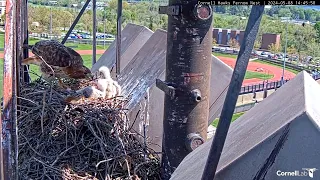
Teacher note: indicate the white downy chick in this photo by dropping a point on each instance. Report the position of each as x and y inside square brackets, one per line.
[112, 87]
[118, 88]
[104, 73]
[106, 87]
[91, 92]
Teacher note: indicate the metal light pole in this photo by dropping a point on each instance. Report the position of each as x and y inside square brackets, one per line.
[189, 39]
[118, 45]
[285, 51]
[104, 27]
[50, 22]
[94, 29]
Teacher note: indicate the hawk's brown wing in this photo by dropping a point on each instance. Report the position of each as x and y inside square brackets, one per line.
[76, 57]
[54, 53]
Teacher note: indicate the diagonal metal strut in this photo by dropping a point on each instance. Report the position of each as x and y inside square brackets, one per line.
[233, 92]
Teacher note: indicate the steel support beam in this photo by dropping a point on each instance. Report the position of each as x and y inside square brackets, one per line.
[17, 75]
[94, 32]
[188, 67]
[233, 92]
[75, 21]
[7, 156]
[118, 47]
[25, 75]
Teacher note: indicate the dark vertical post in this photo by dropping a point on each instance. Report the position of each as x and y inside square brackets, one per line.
[188, 67]
[118, 48]
[16, 78]
[50, 21]
[233, 91]
[94, 30]
[6, 117]
[104, 26]
[25, 75]
[75, 21]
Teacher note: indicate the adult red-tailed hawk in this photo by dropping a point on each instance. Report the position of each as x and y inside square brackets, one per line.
[57, 60]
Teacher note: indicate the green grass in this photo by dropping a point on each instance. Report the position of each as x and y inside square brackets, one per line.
[234, 117]
[277, 65]
[35, 73]
[74, 46]
[225, 55]
[1, 40]
[263, 76]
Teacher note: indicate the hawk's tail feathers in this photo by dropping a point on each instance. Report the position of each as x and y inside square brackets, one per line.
[31, 60]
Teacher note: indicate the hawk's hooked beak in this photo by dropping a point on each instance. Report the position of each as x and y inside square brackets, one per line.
[89, 76]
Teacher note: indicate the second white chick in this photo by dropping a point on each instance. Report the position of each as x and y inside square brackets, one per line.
[91, 92]
[111, 87]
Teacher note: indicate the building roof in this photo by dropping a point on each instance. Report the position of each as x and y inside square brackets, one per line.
[254, 135]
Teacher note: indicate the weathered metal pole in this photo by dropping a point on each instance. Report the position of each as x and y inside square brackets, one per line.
[94, 30]
[26, 76]
[50, 21]
[104, 27]
[75, 21]
[118, 47]
[16, 78]
[6, 117]
[188, 67]
[233, 92]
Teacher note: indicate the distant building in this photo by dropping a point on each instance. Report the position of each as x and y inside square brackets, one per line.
[2, 7]
[2, 10]
[223, 36]
[268, 39]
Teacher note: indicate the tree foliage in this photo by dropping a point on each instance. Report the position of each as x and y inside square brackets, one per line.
[233, 43]
[274, 48]
[140, 13]
[146, 13]
[214, 42]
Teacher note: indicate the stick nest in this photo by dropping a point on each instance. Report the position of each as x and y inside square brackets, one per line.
[91, 140]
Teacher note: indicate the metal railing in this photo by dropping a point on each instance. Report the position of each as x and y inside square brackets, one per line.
[280, 62]
[266, 86]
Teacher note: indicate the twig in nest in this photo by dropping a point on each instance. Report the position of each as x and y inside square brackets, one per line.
[43, 107]
[46, 64]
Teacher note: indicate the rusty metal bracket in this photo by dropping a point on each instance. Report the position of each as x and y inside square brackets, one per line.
[170, 10]
[168, 90]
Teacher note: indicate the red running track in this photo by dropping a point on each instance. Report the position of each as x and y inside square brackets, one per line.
[268, 69]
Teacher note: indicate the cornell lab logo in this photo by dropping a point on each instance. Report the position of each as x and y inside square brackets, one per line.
[306, 172]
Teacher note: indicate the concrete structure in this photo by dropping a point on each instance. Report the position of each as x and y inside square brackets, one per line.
[216, 35]
[268, 39]
[241, 36]
[234, 34]
[223, 36]
[133, 38]
[280, 134]
[2, 10]
[145, 100]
